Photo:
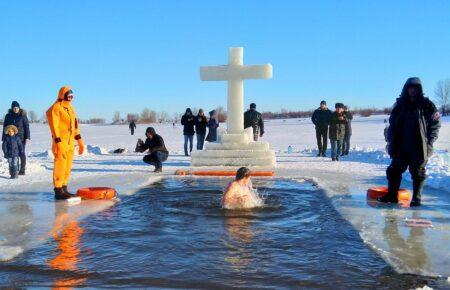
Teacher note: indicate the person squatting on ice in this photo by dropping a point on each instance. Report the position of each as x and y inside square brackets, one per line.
[348, 131]
[414, 126]
[12, 149]
[213, 124]
[254, 119]
[337, 131]
[200, 128]
[63, 124]
[240, 193]
[18, 117]
[321, 119]
[188, 123]
[157, 149]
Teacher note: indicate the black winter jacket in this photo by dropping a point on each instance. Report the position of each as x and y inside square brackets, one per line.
[254, 119]
[337, 126]
[153, 145]
[348, 125]
[12, 146]
[427, 120]
[321, 118]
[19, 120]
[188, 122]
[200, 124]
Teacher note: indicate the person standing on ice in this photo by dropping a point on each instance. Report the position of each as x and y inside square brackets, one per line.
[348, 131]
[213, 124]
[12, 148]
[132, 127]
[254, 119]
[188, 122]
[321, 119]
[63, 124]
[414, 126]
[157, 149]
[200, 128]
[337, 131]
[18, 118]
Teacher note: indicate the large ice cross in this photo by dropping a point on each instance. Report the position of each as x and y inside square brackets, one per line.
[235, 73]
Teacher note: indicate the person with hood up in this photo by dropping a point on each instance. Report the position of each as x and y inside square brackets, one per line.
[254, 119]
[348, 131]
[157, 149]
[414, 126]
[337, 131]
[200, 128]
[188, 122]
[132, 126]
[12, 149]
[18, 118]
[321, 119]
[213, 124]
[64, 128]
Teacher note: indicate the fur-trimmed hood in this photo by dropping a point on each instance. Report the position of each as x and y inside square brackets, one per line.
[21, 112]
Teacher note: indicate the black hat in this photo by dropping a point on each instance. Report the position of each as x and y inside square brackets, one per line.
[15, 104]
[323, 102]
[212, 113]
[252, 106]
[339, 105]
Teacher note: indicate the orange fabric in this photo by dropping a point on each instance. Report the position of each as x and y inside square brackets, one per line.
[63, 125]
[97, 193]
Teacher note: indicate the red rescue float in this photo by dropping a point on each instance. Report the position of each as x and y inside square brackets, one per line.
[403, 195]
[98, 193]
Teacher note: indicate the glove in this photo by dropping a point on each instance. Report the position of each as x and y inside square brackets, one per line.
[80, 146]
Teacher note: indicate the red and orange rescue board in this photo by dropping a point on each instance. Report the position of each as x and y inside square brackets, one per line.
[403, 196]
[97, 193]
[222, 173]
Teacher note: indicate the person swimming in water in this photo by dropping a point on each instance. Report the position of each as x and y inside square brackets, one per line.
[240, 194]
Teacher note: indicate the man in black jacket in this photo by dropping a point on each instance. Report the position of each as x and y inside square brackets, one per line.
[18, 117]
[200, 128]
[132, 126]
[321, 119]
[157, 149]
[254, 119]
[188, 123]
[413, 128]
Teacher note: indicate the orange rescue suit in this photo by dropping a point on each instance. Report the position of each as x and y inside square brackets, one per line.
[65, 131]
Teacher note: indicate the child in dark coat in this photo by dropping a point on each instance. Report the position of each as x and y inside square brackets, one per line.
[12, 149]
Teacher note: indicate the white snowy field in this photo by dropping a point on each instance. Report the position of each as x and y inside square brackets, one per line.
[418, 251]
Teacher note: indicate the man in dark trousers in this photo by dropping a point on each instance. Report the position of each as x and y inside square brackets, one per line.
[132, 127]
[157, 149]
[348, 131]
[413, 128]
[18, 117]
[188, 122]
[200, 128]
[254, 119]
[321, 119]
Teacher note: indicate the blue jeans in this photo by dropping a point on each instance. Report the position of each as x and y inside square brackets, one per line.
[200, 141]
[190, 139]
[156, 158]
[336, 148]
[13, 165]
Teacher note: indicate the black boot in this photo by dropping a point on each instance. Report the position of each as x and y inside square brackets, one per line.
[158, 169]
[417, 192]
[64, 188]
[392, 195]
[60, 194]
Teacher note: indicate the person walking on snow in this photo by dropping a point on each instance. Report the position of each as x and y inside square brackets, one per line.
[18, 117]
[213, 124]
[321, 119]
[188, 123]
[132, 127]
[200, 128]
[414, 126]
[348, 131]
[157, 149]
[337, 131]
[63, 124]
[254, 119]
[12, 149]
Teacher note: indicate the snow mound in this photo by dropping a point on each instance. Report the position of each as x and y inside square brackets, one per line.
[32, 167]
[96, 150]
[9, 252]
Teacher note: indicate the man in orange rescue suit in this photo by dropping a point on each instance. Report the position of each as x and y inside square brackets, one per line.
[65, 131]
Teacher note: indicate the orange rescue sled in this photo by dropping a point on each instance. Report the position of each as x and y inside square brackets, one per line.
[98, 193]
[404, 195]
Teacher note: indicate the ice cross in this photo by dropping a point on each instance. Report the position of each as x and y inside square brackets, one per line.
[235, 73]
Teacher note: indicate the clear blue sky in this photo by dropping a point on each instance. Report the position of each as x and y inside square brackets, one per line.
[127, 55]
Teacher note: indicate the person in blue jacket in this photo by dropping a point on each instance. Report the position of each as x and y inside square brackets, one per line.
[12, 149]
[18, 117]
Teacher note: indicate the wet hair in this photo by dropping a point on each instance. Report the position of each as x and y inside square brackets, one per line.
[151, 131]
[252, 106]
[242, 173]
